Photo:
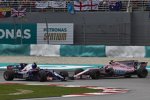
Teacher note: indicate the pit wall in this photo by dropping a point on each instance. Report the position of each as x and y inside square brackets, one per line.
[74, 50]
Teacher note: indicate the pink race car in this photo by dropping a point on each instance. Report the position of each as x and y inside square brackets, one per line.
[125, 68]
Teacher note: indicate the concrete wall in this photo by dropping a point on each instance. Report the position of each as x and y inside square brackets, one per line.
[104, 28]
[140, 28]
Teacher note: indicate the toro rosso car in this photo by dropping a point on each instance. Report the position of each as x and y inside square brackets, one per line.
[125, 68]
[34, 74]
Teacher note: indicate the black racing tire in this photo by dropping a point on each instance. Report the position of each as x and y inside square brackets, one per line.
[78, 71]
[142, 73]
[42, 76]
[95, 74]
[64, 74]
[8, 75]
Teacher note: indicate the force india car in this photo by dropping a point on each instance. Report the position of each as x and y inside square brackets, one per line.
[14, 71]
[125, 68]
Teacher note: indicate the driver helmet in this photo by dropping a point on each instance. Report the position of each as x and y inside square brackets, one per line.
[34, 65]
[22, 65]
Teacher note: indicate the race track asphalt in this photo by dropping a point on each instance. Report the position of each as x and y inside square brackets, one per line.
[139, 88]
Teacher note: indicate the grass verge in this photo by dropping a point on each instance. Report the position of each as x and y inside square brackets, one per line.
[20, 91]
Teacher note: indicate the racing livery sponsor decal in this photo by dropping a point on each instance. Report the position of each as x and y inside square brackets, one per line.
[55, 33]
[11, 33]
[40, 33]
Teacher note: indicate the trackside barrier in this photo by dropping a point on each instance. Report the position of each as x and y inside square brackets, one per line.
[74, 50]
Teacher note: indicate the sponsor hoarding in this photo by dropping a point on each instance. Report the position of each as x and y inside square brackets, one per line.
[40, 33]
[17, 33]
[55, 33]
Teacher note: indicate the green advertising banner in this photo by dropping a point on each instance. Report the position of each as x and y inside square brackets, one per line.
[11, 33]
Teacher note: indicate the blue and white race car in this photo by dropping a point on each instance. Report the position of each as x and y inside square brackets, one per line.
[33, 74]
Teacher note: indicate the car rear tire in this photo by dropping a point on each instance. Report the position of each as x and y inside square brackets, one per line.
[42, 76]
[8, 75]
[142, 73]
[64, 74]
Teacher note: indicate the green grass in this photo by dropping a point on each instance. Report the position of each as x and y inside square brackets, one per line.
[38, 91]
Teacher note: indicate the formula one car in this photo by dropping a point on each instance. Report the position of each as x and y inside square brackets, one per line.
[37, 74]
[125, 68]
